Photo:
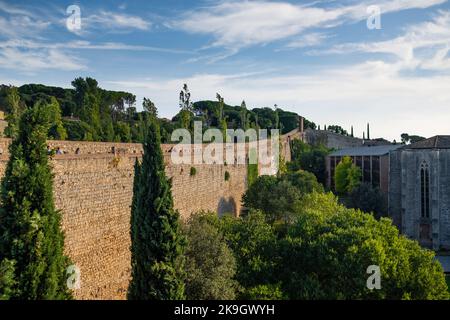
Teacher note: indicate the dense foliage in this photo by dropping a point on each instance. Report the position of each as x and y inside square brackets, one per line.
[337, 129]
[347, 176]
[406, 138]
[368, 199]
[32, 262]
[91, 113]
[212, 112]
[325, 254]
[253, 242]
[210, 263]
[12, 105]
[157, 243]
[309, 158]
[334, 246]
[279, 197]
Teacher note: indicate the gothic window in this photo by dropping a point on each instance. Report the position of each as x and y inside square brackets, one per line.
[425, 190]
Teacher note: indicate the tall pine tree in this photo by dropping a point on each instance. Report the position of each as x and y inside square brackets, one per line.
[32, 262]
[157, 245]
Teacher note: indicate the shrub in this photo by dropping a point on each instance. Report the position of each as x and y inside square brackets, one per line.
[253, 242]
[210, 264]
[279, 197]
[368, 199]
[347, 176]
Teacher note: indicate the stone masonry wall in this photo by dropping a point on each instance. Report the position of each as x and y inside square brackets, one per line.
[93, 186]
[405, 194]
[331, 140]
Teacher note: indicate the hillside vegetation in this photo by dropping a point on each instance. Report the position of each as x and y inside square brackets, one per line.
[88, 112]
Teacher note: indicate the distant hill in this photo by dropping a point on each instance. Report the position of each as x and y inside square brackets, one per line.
[91, 113]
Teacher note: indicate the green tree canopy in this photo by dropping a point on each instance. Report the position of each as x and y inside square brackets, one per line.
[368, 199]
[210, 263]
[333, 246]
[278, 197]
[100, 110]
[123, 132]
[57, 130]
[310, 158]
[305, 182]
[253, 242]
[406, 138]
[150, 107]
[347, 176]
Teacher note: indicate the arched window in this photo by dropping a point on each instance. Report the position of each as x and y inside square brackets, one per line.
[425, 190]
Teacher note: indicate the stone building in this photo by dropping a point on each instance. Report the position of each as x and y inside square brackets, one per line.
[416, 180]
[337, 141]
[419, 191]
[372, 160]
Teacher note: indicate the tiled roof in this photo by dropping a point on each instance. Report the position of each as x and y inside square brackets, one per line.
[436, 142]
[366, 151]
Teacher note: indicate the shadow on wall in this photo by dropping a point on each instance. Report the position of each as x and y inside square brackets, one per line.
[226, 206]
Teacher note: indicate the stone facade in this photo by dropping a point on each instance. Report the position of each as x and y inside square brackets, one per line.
[93, 186]
[330, 139]
[419, 197]
[337, 141]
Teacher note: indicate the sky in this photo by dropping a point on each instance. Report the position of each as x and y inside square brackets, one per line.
[334, 62]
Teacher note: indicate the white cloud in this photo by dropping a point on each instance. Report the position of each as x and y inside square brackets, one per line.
[30, 55]
[32, 60]
[354, 95]
[5, 7]
[84, 45]
[308, 40]
[241, 24]
[22, 22]
[440, 61]
[359, 11]
[113, 21]
[25, 49]
[19, 22]
[424, 45]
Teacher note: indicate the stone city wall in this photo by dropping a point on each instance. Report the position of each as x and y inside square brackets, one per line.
[93, 186]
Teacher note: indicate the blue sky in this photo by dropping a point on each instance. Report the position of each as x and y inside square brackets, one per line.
[317, 58]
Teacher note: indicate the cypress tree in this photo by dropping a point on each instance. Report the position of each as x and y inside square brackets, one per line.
[368, 132]
[157, 244]
[32, 262]
[14, 112]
